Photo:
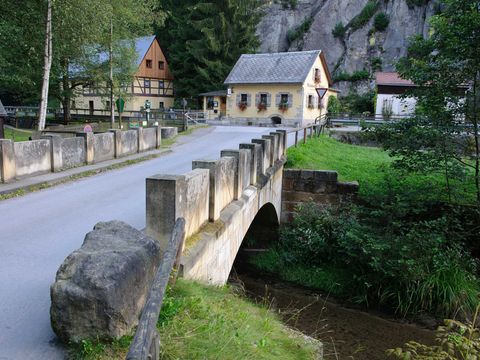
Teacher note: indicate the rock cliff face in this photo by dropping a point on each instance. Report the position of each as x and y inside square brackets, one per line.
[359, 49]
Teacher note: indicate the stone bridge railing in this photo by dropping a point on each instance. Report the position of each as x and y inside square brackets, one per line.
[218, 200]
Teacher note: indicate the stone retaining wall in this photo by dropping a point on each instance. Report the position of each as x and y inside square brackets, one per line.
[319, 186]
[55, 153]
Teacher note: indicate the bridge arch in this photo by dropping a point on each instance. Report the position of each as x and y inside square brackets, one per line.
[221, 200]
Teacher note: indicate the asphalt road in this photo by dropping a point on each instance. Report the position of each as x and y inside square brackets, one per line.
[39, 230]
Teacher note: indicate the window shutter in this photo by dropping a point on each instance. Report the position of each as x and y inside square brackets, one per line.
[277, 99]
[239, 98]
[257, 99]
[290, 100]
[269, 99]
[249, 99]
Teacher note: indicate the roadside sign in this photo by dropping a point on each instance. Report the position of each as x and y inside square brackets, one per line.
[87, 129]
[120, 105]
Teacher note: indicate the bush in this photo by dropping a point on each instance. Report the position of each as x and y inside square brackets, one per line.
[411, 266]
[339, 30]
[301, 30]
[358, 103]
[333, 106]
[365, 15]
[356, 76]
[381, 21]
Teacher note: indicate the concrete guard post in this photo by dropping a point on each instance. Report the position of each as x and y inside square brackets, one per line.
[235, 154]
[165, 202]
[7, 160]
[158, 132]
[222, 182]
[56, 158]
[117, 141]
[141, 143]
[170, 197]
[89, 146]
[273, 147]
[277, 155]
[255, 160]
[265, 144]
[284, 141]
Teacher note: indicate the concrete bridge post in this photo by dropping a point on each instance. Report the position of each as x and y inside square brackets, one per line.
[273, 147]
[170, 197]
[117, 139]
[7, 161]
[255, 165]
[241, 168]
[265, 159]
[222, 183]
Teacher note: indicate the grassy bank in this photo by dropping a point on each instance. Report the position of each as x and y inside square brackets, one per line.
[405, 245]
[17, 134]
[204, 322]
[371, 167]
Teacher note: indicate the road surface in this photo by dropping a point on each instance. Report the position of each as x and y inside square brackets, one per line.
[39, 230]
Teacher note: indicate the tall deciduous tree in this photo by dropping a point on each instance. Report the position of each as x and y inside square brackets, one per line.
[444, 136]
[204, 39]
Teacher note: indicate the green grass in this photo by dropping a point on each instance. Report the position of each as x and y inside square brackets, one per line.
[205, 322]
[370, 166]
[17, 134]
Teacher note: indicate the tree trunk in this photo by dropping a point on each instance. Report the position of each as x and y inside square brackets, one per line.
[112, 105]
[2, 134]
[47, 65]
[476, 134]
[66, 98]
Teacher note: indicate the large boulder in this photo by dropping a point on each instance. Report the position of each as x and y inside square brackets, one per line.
[100, 289]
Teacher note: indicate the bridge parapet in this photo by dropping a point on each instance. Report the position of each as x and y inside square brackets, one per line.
[226, 193]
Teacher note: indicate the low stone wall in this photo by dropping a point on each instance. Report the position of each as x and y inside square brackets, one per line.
[73, 152]
[149, 139]
[32, 157]
[56, 153]
[321, 187]
[129, 142]
[169, 132]
[104, 147]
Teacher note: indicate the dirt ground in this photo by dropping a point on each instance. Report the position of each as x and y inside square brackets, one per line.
[346, 333]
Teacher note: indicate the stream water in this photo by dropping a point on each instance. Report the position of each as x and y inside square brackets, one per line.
[346, 333]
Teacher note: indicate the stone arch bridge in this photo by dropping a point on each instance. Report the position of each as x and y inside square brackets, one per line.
[219, 200]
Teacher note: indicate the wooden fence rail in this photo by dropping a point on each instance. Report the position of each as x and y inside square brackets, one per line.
[146, 343]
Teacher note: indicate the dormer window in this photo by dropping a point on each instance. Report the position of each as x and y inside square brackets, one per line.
[149, 64]
[161, 65]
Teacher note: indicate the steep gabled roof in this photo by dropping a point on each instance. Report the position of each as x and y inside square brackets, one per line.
[142, 45]
[275, 68]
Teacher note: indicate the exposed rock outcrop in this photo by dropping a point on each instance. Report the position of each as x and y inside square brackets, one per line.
[100, 289]
[359, 49]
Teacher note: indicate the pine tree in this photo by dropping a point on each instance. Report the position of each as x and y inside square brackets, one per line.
[204, 40]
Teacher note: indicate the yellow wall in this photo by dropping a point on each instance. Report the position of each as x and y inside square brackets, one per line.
[211, 113]
[299, 112]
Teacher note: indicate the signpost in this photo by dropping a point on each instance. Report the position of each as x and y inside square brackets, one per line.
[185, 121]
[147, 109]
[120, 107]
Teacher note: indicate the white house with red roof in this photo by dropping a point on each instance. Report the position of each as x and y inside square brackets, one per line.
[390, 87]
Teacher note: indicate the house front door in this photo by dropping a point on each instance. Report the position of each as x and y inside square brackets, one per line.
[91, 107]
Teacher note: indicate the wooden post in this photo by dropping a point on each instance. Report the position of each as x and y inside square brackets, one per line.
[311, 132]
[296, 138]
[2, 135]
[304, 135]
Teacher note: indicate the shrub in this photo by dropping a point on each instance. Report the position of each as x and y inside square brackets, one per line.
[365, 15]
[301, 30]
[356, 76]
[455, 340]
[381, 21]
[339, 30]
[408, 265]
[333, 106]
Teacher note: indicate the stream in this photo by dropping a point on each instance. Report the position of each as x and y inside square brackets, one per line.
[346, 333]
